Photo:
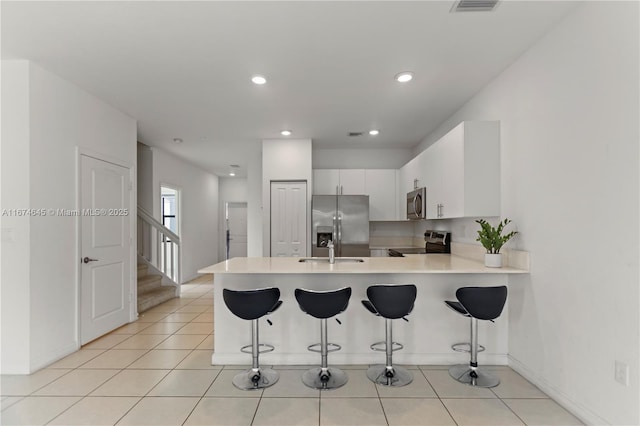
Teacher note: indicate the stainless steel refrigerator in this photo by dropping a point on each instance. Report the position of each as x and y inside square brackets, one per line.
[343, 219]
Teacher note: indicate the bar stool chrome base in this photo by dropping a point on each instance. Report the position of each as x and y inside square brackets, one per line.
[389, 376]
[463, 374]
[255, 379]
[330, 378]
[466, 347]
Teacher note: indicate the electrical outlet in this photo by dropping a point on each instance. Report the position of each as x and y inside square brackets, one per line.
[622, 373]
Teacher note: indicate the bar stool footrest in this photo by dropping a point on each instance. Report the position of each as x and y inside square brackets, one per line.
[465, 347]
[331, 347]
[382, 346]
[248, 349]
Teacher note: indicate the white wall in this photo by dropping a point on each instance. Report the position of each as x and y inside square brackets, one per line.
[284, 160]
[569, 129]
[198, 208]
[145, 177]
[15, 290]
[62, 117]
[361, 158]
[231, 190]
[254, 205]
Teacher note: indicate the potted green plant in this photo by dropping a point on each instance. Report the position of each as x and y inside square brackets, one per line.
[492, 240]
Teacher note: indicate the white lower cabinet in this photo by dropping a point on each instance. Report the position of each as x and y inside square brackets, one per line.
[462, 172]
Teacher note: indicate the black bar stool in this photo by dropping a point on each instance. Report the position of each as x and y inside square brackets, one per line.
[323, 305]
[390, 302]
[252, 305]
[477, 303]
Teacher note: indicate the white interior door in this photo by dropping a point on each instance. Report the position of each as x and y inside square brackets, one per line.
[236, 230]
[288, 219]
[105, 247]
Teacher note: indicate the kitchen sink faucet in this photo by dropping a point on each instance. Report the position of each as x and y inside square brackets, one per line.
[332, 255]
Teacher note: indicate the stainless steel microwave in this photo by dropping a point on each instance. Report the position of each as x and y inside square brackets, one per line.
[416, 204]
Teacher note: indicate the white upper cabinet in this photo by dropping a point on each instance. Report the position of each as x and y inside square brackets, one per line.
[352, 182]
[339, 181]
[462, 172]
[380, 186]
[326, 181]
[411, 175]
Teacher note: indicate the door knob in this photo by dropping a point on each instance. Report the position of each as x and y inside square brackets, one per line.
[88, 259]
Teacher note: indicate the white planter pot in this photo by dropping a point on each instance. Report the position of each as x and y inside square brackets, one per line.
[493, 260]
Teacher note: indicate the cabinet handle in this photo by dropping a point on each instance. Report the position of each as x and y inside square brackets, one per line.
[337, 190]
[341, 190]
[441, 210]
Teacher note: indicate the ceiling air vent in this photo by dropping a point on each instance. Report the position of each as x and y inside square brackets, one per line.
[474, 5]
[354, 134]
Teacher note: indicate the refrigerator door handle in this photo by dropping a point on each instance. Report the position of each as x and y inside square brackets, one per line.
[334, 234]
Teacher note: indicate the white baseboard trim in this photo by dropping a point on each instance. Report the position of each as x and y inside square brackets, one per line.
[45, 360]
[337, 358]
[577, 409]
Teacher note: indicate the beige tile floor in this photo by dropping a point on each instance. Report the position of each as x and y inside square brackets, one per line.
[156, 371]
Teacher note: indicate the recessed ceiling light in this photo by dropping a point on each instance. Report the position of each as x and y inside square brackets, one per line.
[177, 140]
[258, 79]
[232, 173]
[404, 76]
[286, 133]
[374, 132]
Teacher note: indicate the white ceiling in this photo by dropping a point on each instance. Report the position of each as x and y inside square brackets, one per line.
[183, 69]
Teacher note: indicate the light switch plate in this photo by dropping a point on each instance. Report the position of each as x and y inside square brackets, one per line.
[622, 373]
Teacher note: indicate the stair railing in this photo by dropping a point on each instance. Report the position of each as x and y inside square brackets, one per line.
[158, 245]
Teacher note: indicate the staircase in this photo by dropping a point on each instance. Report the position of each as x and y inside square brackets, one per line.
[151, 292]
[158, 262]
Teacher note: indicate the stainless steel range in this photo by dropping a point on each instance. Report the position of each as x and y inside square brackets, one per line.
[437, 241]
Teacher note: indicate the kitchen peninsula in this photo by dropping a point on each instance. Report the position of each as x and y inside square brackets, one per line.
[427, 337]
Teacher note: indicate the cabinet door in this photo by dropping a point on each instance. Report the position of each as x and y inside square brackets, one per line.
[352, 182]
[326, 181]
[380, 185]
[432, 180]
[452, 166]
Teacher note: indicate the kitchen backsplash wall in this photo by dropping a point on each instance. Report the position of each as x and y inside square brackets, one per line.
[395, 234]
[410, 234]
[464, 230]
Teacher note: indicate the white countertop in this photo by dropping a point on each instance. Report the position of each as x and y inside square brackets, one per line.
[410, 264]
[393, 247]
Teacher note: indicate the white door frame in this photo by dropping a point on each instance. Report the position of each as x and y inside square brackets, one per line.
[226, 224]
[178, 190]
[133, 296]
[178, 204]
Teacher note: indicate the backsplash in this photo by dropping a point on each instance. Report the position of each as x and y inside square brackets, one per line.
[411, 234]
[396, 234]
